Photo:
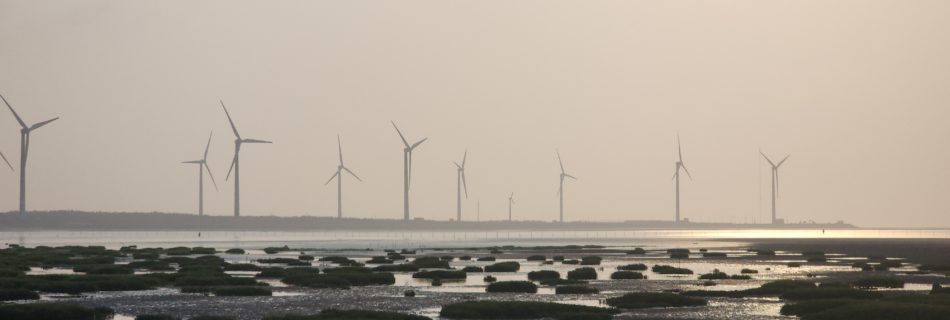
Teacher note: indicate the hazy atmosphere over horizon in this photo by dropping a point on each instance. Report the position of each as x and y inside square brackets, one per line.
[856, 92]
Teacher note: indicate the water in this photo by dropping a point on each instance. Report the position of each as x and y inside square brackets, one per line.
[423, 239]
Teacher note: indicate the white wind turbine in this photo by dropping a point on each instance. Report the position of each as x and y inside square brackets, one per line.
[461, 184]
[676, 175]
[236, 163]
[774, 181]
[406, 169]
[202, 165]
[24, 150]
[560, 190]
[511, 201]
[339, 179]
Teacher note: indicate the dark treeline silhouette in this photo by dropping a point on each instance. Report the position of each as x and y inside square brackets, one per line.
[108, 221]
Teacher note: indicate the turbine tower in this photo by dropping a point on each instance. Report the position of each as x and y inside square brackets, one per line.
[236, 163]
[24, 150]
[774, 180]
[5, 160]
[676, 175]
[511, 201]
[406, 169]
[339, 179]
[202, 165]
[560, 190]
[461, 184]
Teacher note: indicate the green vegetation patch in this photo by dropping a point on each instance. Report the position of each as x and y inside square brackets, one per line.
[586, 273]
[575, 290]
[666, 269]
[333, 314]
[523, 310]
[641, 300]
[54, 311]
[627, 275]
[633, 267]
[441, 274]
[543, 275]
[510, 266]
[512, 287]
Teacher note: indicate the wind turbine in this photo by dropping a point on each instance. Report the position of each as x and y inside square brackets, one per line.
[774, 180]
[560, 190]
[461, 184]
[236, 163]
[339, 179]
[406, 169]
[24, 150]
[511, 201]
[676, 175]
[202, 165]
[5, 160]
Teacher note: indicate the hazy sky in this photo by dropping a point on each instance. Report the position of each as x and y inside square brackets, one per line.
[857, 92]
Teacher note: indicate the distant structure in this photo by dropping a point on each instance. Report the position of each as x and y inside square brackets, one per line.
[511, 201]
[407, 169]
[775, 167]
[339, 179]
[202, 165]
[461, 184]
[236, 163]
[5, 160]
[24, 150]
[676, 175]
[560, 190]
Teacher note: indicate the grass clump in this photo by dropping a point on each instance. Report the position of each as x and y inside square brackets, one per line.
[18, 294]
[334, 314]
[536, 258]
[486, 259]
[489, 279]
[54, 311]
[591, 261]
[627, 275]
[637, 251]
[235, 251]
[523, 310]
[879, 282]
[512, 287]
[585, 273]
[242, 267]
[829, 293]
[641, 300]
[156, 317]
[379, 260]
[666, 269]
[561, 282]
[749, 271]
[719, 275]
[510, 266]
[575, 289]
[440, 274]
[242, 291]
[633, 267]
[543, 275]
[473, 269]
[430, 263]
[287, 261]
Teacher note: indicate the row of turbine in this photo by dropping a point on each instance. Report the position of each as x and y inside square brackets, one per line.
[338, 175]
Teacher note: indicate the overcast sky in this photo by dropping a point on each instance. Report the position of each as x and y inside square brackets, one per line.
[857, 92]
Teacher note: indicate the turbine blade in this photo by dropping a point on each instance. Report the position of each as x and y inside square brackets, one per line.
[5, 160]
[205, 163]
[400, 135]
[687, 172]
[191, 162]
[40, 124]
[767, 159]
[781, 162]
[464, 158]
[464, 185]
[18, 119]
[457, 165]
[233, 162]
[559, 160]
[255, 141]
[570, 176]
[676, 173]
[208, 146]
[418, 143]
[353, 174]
[233, 127]
[339, 146]
[333, 176]
[679, 147]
